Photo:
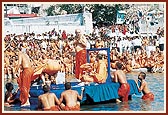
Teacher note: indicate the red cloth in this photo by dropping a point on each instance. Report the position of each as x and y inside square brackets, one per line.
[148, 96]
[74, 108]
[80, 60]
[64, 36]
[123, 91]
[24, 82]
[53, 108]
[124, 31]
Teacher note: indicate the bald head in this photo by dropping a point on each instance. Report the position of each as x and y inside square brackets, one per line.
[77, 31]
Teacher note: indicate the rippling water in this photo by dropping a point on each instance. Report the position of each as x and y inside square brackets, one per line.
[155, 84]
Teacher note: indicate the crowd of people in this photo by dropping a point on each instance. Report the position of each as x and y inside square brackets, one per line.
[29, 56]
[132, 51]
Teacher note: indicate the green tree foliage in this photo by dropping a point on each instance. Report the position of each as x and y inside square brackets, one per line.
[106, 13]
[101, 13]
[71, 8]
[50, 11]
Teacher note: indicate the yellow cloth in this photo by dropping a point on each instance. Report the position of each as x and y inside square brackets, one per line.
[101, 72]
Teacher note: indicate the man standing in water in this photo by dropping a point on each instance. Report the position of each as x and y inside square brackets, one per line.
[71, 98]
[119, 76]
[80, 48]
[144, 88]
[25, 77]
[48, 101]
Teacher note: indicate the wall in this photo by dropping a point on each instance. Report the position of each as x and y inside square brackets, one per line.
[44, 24]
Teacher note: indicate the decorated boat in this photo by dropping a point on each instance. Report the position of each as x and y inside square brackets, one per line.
[93, 92]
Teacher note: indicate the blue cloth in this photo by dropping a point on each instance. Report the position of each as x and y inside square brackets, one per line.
[108, 91]
[98, 93]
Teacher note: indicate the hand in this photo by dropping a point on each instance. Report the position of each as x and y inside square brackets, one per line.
[82, 88]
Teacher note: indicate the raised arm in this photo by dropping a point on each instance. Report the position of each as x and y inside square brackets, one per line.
[115, 77]
[80, 96]
[39, 103]
[56, 100]
[142, 86]
[61, 98]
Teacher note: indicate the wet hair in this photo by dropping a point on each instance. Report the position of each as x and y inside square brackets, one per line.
[119, 65]
[46, 88]
[67, 85]
[143, 74]
[9, 86]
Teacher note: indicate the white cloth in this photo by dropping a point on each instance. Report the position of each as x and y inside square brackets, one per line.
[60, 78]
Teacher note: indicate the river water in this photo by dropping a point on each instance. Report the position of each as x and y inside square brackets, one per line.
[156, 84]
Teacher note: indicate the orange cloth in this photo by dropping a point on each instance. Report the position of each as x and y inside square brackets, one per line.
[80, 60]
[38, 71]
[24, 82]
[101, 72]
[123, 91]
[148, 96]
[53, 108]
[74, 108]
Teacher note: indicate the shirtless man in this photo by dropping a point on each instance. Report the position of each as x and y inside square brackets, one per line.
[80, 48]
[119, 76]
[25, 77]
[144, 87]
[48, 101]
[71, 98]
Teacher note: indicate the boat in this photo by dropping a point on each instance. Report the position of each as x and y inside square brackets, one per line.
[93, 92]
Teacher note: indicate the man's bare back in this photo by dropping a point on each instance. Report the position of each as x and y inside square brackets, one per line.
[119, 76]
[70, 97]
[52, 66]
[24, 60]
[48, 100]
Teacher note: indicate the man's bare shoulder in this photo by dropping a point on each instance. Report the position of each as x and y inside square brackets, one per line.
[40, 96]
[52, 94]
[74, 91]
[116, 72]
[143, 82]
[69, 91]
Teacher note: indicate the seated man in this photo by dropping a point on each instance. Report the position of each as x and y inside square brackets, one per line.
[71, 98]
[48, 101]
[100, 73]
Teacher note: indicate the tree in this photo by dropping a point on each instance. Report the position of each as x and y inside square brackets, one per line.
[50, 11]
[106, 13]
[101, 13]
[71, 8]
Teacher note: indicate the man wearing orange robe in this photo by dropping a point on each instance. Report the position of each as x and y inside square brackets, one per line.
[25, 78]
[80, 48]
